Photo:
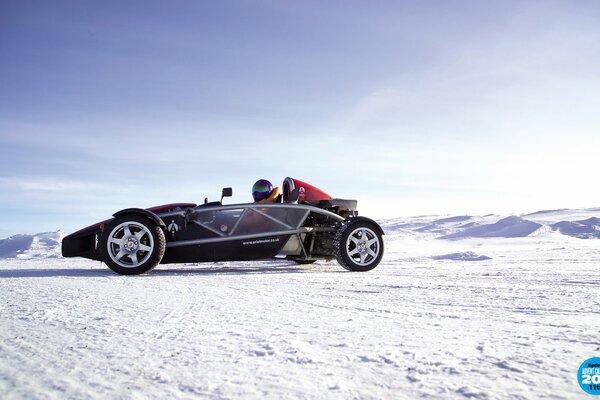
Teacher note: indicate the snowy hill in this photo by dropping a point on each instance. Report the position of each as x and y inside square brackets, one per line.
[40, 245]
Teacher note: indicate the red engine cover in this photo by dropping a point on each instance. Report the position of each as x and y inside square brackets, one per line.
[306, 192]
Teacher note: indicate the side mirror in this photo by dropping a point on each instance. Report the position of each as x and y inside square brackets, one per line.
[227, 192]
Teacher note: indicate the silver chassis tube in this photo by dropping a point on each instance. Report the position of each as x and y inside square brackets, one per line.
[251, 206]
[240, 237]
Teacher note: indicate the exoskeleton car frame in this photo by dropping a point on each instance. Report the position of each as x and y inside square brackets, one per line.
[305, 226]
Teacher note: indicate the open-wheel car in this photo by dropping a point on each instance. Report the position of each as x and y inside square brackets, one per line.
[298, 222]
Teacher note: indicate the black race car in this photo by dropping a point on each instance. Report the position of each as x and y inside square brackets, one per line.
[304, 224]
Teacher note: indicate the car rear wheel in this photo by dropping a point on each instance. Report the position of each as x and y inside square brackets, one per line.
[358, 246]
[133, 245]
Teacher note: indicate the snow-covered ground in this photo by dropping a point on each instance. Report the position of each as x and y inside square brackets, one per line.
[500, 312]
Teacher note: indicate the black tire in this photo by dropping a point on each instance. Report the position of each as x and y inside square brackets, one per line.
[132, 245]
[347, 251]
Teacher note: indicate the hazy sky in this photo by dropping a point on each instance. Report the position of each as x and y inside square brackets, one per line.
[410, 107]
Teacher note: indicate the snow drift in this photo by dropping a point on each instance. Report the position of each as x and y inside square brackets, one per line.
[40, 245]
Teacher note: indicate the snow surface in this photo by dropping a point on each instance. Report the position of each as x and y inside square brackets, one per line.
[515, 326]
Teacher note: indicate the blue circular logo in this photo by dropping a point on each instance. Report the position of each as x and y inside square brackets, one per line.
[588, 375]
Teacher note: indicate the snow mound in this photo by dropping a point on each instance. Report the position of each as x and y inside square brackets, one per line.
[509, 227]
[584, 229]
[464, 256]
[40, 245]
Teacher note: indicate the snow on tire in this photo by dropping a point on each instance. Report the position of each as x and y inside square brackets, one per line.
[358, 246]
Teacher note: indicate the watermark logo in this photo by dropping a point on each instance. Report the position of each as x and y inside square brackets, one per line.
[588, 376]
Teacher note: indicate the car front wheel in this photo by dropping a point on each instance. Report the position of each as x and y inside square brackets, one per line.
[133, 245]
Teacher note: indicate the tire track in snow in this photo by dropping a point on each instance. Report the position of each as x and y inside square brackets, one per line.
[179, 320]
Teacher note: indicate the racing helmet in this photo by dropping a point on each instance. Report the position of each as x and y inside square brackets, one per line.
[261, 190]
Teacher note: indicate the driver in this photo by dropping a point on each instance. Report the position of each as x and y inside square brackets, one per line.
[264, 192]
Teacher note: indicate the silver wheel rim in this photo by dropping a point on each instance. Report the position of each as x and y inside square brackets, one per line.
[362, 246]
[130, 244]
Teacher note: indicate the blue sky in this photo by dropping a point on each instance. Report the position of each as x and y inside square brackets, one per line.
[409, 107]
